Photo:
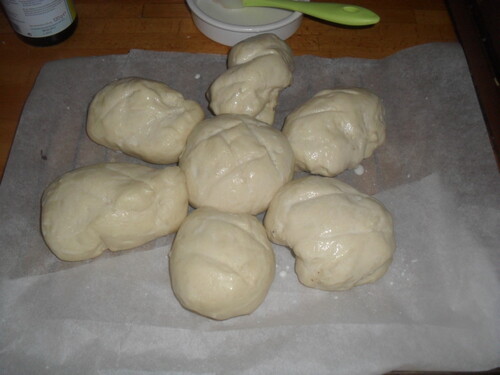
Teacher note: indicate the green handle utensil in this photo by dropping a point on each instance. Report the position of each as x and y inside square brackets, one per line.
[345, 14]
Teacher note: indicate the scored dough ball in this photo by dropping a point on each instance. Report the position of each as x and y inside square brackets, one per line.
[236, 164]
[335, 130]
[142, 118]
[252, 84]
[221, 264]
[114, 206]
[341, 238]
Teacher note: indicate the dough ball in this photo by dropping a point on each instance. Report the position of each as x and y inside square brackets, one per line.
[335, 130]
[221, 264]
[253, 82]
[260, 45]
[236, 164]
[112, 206]
[142, 118]
[341, 238]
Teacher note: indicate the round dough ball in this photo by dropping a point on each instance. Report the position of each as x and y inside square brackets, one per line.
[259, 69]
[260, 45]
[236, 164]
[142, 118]
[112, 206]
[335, 130]
[221, 264]
[341, 238]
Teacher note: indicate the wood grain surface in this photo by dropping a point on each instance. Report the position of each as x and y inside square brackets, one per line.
[116, 26]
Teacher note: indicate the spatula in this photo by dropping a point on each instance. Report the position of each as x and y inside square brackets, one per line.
[344, 14]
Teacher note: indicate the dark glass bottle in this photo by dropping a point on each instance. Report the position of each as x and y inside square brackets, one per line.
[41, 22]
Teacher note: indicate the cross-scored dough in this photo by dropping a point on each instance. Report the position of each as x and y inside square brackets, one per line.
[221, 264]
[142, 118]
[259, 69]
[114, 206]
[341, 238]
[335, 130]
[236, 164]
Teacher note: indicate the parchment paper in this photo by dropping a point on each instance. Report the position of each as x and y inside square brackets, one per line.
[437, 308]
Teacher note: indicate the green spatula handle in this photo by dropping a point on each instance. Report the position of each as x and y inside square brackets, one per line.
[344, 14]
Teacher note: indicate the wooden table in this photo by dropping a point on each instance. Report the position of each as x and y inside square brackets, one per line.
[116, 26]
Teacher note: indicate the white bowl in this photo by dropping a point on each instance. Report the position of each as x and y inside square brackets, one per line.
[217, 23]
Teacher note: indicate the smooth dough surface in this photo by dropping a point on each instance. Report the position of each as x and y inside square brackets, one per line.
[260, 45]
[259, 69]
[335, 130]
[142, 118]
[114, 206]
[236, 164]
[221, 264]
[341, 238]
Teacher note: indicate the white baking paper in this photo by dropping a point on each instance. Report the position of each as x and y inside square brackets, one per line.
[437, 308]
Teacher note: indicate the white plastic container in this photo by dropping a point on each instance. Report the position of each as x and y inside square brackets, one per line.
[230, 26]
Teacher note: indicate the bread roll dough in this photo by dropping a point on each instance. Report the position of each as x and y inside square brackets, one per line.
[257, 74]
[236, 164]
[260, 45]
[112, 206]
[335, 130]
[142, 118]
[341, 238]
[221, 264]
